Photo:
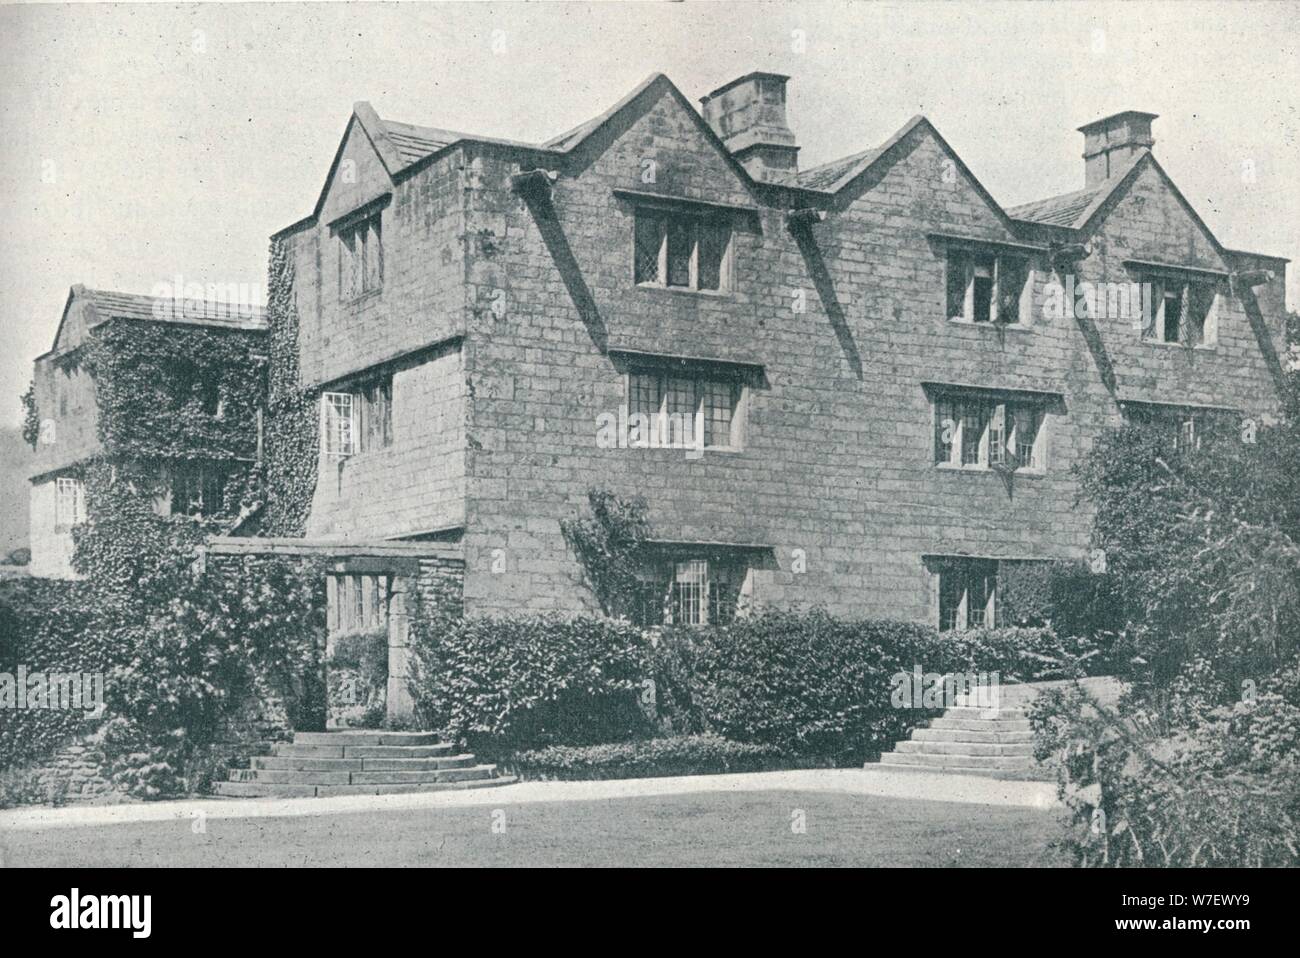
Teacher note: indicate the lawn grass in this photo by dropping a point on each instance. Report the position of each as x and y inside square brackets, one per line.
[720, 829]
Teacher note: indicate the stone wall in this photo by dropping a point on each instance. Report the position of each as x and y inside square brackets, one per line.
[845, 321]
[414, 485]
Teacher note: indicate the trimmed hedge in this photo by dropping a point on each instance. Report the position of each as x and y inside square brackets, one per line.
[808, 684]
[804, 684]
[681, 755]
[507, 684]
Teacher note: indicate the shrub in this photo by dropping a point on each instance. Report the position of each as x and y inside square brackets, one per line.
[810, 684]
[1183, 782]
[609, 546]
[803, 684]
[680, 755]
[53, 626]
[1068, 597]
[255, 630]
[1022, 654]
[1204, 546]
[19, 556]
[506, 684]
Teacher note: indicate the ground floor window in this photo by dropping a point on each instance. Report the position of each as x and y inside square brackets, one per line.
[689, 590]
[69, 503]
[968, 594]
[1184, 428]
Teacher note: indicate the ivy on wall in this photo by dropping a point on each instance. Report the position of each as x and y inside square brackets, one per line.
[31, 417]
[166, 395]
[132, 553]
[291, 440]
[176, 392]
[609, 545]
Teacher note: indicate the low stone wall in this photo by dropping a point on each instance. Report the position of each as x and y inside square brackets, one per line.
[78, 772]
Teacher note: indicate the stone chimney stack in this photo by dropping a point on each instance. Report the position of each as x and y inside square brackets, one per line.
[1108, 144]
[748, 114]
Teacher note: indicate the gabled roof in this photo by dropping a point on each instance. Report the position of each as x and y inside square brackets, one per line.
[416, 142]
[113, 305]
[401, 146]
[109, 305]
[1063, 210]
[833, 176]
[1076, 209]
[1081, 209]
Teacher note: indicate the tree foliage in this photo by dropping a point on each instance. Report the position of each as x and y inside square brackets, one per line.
[1204, 543]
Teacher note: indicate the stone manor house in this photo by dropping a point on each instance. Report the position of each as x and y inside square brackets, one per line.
[862, 385]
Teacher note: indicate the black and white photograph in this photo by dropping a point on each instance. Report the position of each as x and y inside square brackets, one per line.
[651, 435]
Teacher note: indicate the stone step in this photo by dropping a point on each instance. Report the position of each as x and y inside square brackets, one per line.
[262, 790]
[964, 748]
[399, 751]
[285, 750]
[399, 789]
[987, 714]
[417, 764]
[378, 777]
[298, 764]
[956, 761]
[965, 735]
[441, 775]
[980, 725]
[272, 790]
[376, 737]
[1033, 774]
[289, 777]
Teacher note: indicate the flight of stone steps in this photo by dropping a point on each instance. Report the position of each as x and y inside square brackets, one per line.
[359, 763]
[969, 740]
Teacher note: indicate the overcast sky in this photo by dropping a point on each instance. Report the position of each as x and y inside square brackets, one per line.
[145, 142]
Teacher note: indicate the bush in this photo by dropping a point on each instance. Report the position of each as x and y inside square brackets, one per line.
[681, 755]
[1183, 782]
[1023, 654]
[1068, 597]
[1204, 546]
[810, 684]
[53, 626]
[507, 684]
[20, 556]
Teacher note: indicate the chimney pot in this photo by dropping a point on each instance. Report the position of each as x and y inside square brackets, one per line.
[1111, 142]
[748, 114]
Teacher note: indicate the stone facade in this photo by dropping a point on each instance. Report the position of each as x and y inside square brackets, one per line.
[837, 315]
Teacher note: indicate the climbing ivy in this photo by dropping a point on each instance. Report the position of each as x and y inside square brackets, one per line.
[176, 392]
[291, 440]
[610, 545]
[31, 416]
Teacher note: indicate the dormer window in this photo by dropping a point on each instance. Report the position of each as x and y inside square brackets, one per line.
[988, 287]
[1182, 312]
[361, 257]
[682, 250]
